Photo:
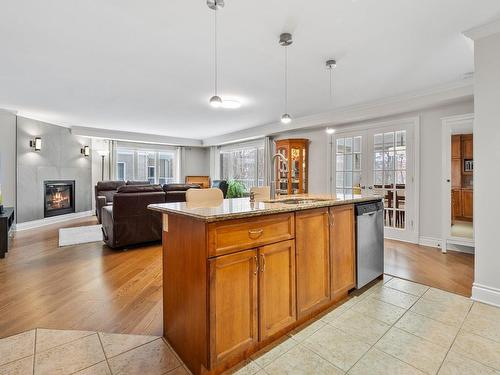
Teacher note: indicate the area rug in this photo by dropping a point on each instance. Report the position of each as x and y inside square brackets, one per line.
[78, 235]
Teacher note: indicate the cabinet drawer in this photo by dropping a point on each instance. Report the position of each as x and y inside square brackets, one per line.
[229, 236]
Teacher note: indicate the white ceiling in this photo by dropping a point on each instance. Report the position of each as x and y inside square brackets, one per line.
[147, 66]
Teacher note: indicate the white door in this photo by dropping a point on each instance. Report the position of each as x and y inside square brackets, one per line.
[380, 160]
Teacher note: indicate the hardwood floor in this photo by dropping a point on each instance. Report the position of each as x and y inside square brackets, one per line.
[85, 287]
[453, 271]
[91, 287]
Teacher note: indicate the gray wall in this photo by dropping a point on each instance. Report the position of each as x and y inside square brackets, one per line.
[59, 159]
[8, 157]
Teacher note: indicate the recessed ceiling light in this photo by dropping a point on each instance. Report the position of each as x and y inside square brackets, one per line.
[231, 104]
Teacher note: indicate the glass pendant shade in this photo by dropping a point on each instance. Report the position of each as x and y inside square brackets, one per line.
[286, 118]
[216, 101]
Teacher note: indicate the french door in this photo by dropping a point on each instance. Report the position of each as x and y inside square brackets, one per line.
[380, 160]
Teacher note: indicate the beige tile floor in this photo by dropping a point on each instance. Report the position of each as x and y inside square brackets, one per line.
[395, 327]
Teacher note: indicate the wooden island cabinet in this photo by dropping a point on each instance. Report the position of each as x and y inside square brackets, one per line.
[238, 276]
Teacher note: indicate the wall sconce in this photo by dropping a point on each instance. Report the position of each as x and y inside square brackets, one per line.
[36, 143]
[85, 151]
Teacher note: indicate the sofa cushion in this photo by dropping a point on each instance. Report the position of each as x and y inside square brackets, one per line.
[138, 183]
[108, 185]
[179, 187]
[129, 189]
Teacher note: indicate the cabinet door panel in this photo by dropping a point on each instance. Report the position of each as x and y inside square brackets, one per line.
[343, 254]
[313, 260]
[456, 204]
[467, 146]
[467, 204]
[233, 304]
[456, 173]
[456, 146]
[277, 303]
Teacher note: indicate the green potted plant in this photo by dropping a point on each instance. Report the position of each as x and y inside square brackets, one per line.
[235, 189]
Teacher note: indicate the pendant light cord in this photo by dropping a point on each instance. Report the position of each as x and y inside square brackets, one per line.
[286, 79]
[331, 89]
[215, 50]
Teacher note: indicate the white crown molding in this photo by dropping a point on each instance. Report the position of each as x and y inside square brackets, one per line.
[118, 135]
[483, 31]
[404, 103]
[8, 111]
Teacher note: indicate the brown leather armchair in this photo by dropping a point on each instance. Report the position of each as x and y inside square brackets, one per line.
[104, 192]
[177, 192]
[128, 221]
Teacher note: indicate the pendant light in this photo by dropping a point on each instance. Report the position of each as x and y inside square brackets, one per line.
[285, 41]
[330, 65]
[215, 5]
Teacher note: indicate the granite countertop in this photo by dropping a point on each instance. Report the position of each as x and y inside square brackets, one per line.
[242, 207]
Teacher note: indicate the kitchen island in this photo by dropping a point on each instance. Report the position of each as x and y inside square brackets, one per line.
[238, 275]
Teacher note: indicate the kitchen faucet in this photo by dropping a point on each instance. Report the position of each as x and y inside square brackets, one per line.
[285, 169]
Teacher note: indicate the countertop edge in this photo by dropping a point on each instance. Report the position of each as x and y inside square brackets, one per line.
[263, 212]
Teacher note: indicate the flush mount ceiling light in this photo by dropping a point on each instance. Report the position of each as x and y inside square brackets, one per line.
[230, 104]
[285, 41]
[330, 65]
[330, 131]
[215, 101]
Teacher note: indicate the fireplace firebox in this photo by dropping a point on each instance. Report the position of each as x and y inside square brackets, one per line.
[59, 198]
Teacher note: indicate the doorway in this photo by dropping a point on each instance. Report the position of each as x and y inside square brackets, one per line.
[458, 183]
[381, 159]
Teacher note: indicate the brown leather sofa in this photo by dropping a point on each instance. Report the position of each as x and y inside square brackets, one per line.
[105, 190]
[128, 221]
[177, 192]
[104, 193]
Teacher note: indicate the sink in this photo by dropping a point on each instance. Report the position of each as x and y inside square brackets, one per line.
[298, 201]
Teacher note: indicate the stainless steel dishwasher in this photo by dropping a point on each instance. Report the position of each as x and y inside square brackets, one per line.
[369, 242]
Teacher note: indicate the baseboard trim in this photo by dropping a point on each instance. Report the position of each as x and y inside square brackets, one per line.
[51, 220]
[486, 294]
[454, 245]
[430, 242]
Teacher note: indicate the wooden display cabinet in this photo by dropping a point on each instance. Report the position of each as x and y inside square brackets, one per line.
[292, 178]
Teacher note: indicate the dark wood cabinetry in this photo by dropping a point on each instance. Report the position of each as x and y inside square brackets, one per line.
[233, 286]
[233, 294]
[313, 260]
[343, 252]
[461, 177]
[277, 301]
[292, 177]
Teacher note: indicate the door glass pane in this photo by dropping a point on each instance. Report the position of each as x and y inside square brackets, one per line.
[357, 144]
[348, 158]
[348, 162]
[389, 175]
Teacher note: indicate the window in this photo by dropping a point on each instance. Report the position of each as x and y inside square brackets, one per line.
[120, 170]
[348, 165]
[243, 164]
[157, 167]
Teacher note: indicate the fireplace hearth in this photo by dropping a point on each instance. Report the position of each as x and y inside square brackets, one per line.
[59, 198]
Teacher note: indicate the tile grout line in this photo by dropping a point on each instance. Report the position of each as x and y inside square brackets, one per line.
[34, 350]
[392, 326]
[104, 352]
[455, 338]
[24, 357]
[69, 342]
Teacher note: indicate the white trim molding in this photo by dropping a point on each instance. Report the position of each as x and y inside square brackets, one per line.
[486, 294]
[51, 220]
[453, 92]
[118, 135]
[483, 31]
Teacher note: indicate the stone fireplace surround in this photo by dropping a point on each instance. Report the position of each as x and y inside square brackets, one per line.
[59, 159]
